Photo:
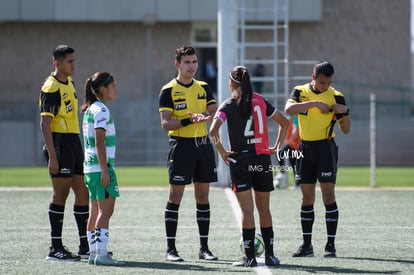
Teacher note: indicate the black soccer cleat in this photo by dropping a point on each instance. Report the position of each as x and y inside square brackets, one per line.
[62, 254]
[330, 251]
[172, 256]
[271, 260]
[83, 252]
[206, 254]
[246, 262]
[304, 251]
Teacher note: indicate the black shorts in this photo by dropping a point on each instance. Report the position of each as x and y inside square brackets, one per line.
[318, 162]
[251, 171]
[191, 160]
[69, 153]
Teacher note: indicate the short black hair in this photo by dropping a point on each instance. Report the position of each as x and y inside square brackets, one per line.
[325, 68]
[61, 51]
[183, 50]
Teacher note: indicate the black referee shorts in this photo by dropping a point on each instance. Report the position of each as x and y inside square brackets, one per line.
[191, 160]
[69, 153]
[318, 161]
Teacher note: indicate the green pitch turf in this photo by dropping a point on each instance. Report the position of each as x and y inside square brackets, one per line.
[157, 176]
[374, 234]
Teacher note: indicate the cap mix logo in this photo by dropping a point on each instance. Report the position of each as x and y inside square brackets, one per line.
[288, 154]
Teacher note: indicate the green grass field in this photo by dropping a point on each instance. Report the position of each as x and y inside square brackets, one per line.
[157, 176]
[374, 234]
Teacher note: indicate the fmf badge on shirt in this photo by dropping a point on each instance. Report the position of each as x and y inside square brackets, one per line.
[181, 106]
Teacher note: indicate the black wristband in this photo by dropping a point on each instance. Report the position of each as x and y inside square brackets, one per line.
[347, 113]
[186, 121]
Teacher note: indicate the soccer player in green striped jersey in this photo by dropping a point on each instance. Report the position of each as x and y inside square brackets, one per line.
[99, 165]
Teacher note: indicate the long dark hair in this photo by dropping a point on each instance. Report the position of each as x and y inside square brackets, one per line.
[92, 85]
[240, 75]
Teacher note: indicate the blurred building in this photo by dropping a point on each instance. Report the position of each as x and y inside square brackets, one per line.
[367, 41]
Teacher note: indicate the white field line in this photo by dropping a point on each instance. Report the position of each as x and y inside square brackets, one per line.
[49, 188]
[261, 268]
[132, 188]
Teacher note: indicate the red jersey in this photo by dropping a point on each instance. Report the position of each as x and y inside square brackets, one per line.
[251, 134]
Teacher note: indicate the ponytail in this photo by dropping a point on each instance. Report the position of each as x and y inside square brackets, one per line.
[92, 87]
[89, 95]
[240, 75]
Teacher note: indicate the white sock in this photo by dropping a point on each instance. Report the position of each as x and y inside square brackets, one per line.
[91, 242]
[102, 238]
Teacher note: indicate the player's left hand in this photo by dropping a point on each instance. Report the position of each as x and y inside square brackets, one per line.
[197, 118]
[226, 156]
[274, 150]
[339, 108]
[105, 179]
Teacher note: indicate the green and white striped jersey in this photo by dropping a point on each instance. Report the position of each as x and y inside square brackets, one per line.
[98, 116]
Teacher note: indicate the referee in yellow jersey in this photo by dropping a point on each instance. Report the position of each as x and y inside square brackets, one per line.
[318, 106]
[185, 104]
[59, 124]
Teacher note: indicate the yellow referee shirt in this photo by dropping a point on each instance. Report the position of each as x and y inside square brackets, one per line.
[181, 99]
[59, 101]
[313, 124]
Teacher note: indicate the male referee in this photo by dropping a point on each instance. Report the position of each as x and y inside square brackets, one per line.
[59, 124]
[318, 106]
[183, 105]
